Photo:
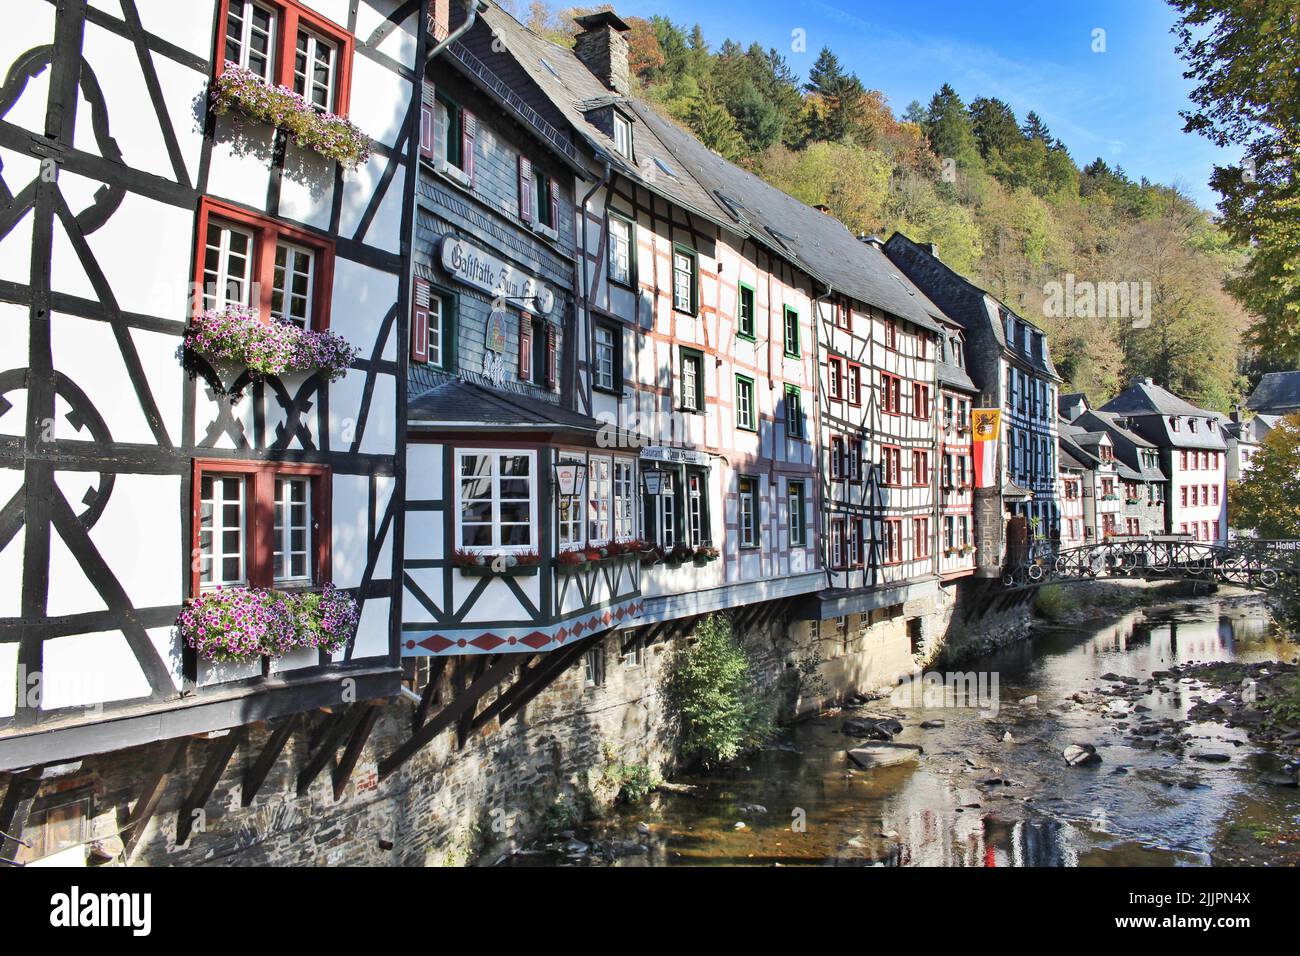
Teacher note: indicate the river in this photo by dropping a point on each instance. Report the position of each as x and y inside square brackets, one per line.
[977, 797]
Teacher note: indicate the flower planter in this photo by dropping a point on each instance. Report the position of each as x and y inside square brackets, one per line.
[572, 568]
[487, 571]
[235, 337]
[333, 137]
[233, 629]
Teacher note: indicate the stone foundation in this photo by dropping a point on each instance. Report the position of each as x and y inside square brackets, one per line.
[563, 756]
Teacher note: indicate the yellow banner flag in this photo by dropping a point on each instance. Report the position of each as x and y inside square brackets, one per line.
[985, 423]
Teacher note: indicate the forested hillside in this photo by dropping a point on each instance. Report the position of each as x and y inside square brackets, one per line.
[999, 194]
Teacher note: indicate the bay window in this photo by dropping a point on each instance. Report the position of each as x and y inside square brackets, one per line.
[259, 524]
[496, 498]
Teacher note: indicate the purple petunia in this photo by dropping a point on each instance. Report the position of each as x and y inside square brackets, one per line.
[237, 625]
[236, 334]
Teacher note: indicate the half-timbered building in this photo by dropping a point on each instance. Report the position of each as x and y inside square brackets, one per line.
[957, 394]
[1009, 360]
[138, 474]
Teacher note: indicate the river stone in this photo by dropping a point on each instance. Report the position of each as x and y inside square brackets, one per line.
[872, 756]
[873, 728]
[1211, 757]
[932, 724]
[1282, 780]
[1081, 755]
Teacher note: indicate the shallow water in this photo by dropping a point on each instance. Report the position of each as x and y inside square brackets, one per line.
[1138, 807]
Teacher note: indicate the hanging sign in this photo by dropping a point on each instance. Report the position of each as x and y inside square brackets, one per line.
[676, 456]
[493, 275]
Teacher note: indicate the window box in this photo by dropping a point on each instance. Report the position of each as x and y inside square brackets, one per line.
[236, 335]
[240, 625]
[474, 565]
[679, 556]
[704, 554]
[333, 137]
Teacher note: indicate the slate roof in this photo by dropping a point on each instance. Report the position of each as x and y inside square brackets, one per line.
[458, 404]
[1128, 444]
[1276, 390]
[949, 287]
[1155, 406]
[1066, 460]
[672, 162]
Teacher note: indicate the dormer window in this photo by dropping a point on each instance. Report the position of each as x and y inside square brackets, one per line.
[622, 135]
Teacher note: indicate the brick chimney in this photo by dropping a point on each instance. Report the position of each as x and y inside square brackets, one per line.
[602, 47]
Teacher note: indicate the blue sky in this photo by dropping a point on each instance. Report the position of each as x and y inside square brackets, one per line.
[1121, 104]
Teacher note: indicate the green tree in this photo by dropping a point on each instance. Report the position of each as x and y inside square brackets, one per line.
[1245, 56]
[948, 127]
[1267, 499]
[715, 128]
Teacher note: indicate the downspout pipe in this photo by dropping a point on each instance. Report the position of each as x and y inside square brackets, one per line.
[823, 531]
[472, 10]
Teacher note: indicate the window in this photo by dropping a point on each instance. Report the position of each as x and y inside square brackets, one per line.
[661, 513]
[893, 540]
[843, 315]
[632, 652]
[853, 385]
[250, 37]
[593, 674]
[545, 207]
[745, 415]
[745, 312]
[313, 70]
[569, 510]
[855, 542]
[260, 524]
[793, 412]
[921, 537]
[791, 332]
[277, 270]
[798, 517]
[599, 489]
[891, 460]
[837, 543]
[949, 470]
[692, 380]
[622, 135]
[891, 334]
[317, 65]
[920, 467]
[837, 458]
[748, 512]
[609, 358]
[920, 400]
[496, 500]
[622, 250]
[697, 522]
[432, 326]
[685, 264]
[891, 394]
[854, 464]
[949, 532]
[835, 376]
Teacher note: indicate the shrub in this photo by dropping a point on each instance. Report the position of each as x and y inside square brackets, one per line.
[1054, 602]
[712, 691]
[635, 781]
[331, 136]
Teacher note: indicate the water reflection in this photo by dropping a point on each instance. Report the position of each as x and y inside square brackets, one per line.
[977, 798]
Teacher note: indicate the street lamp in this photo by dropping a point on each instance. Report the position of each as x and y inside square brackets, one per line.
[653, 481]
[569, 477]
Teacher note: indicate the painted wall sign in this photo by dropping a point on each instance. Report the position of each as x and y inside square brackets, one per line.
[485, 271]
[494, 339]
[676, 456]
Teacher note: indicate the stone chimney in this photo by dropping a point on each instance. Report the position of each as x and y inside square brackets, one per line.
[602, 47]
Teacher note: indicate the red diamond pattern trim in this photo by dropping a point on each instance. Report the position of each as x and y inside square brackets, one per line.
[488, 641]
[437, 643]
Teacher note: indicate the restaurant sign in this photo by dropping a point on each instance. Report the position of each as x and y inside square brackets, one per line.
[675, 456]
[473, 266]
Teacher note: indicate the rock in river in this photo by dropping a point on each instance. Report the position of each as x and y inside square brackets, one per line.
[875, 728]
[1081, 755]
[871, 756]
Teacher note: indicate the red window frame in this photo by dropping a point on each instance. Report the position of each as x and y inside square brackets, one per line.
[838, 459]
[920, 400]
[891, 459]
[843, 315]
[836, 385]
[259, 516]
[920, 468]
[920, 538]
[891, 394]
[853, 384]
[839, 527]
[289, 16]
[854, 461]
[266, 233]
[892, 544]
[891, 335]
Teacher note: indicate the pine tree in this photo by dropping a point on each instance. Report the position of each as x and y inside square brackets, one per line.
[1035, 128]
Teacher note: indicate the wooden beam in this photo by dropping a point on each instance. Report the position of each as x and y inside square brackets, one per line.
[556, 665]
[466, 721]
[171, 753]
[207, 782]
[447, 716]
[527, 675]
[431, 693]
[352, 753]
[258, 772]
[339, 726]
[13, 812]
